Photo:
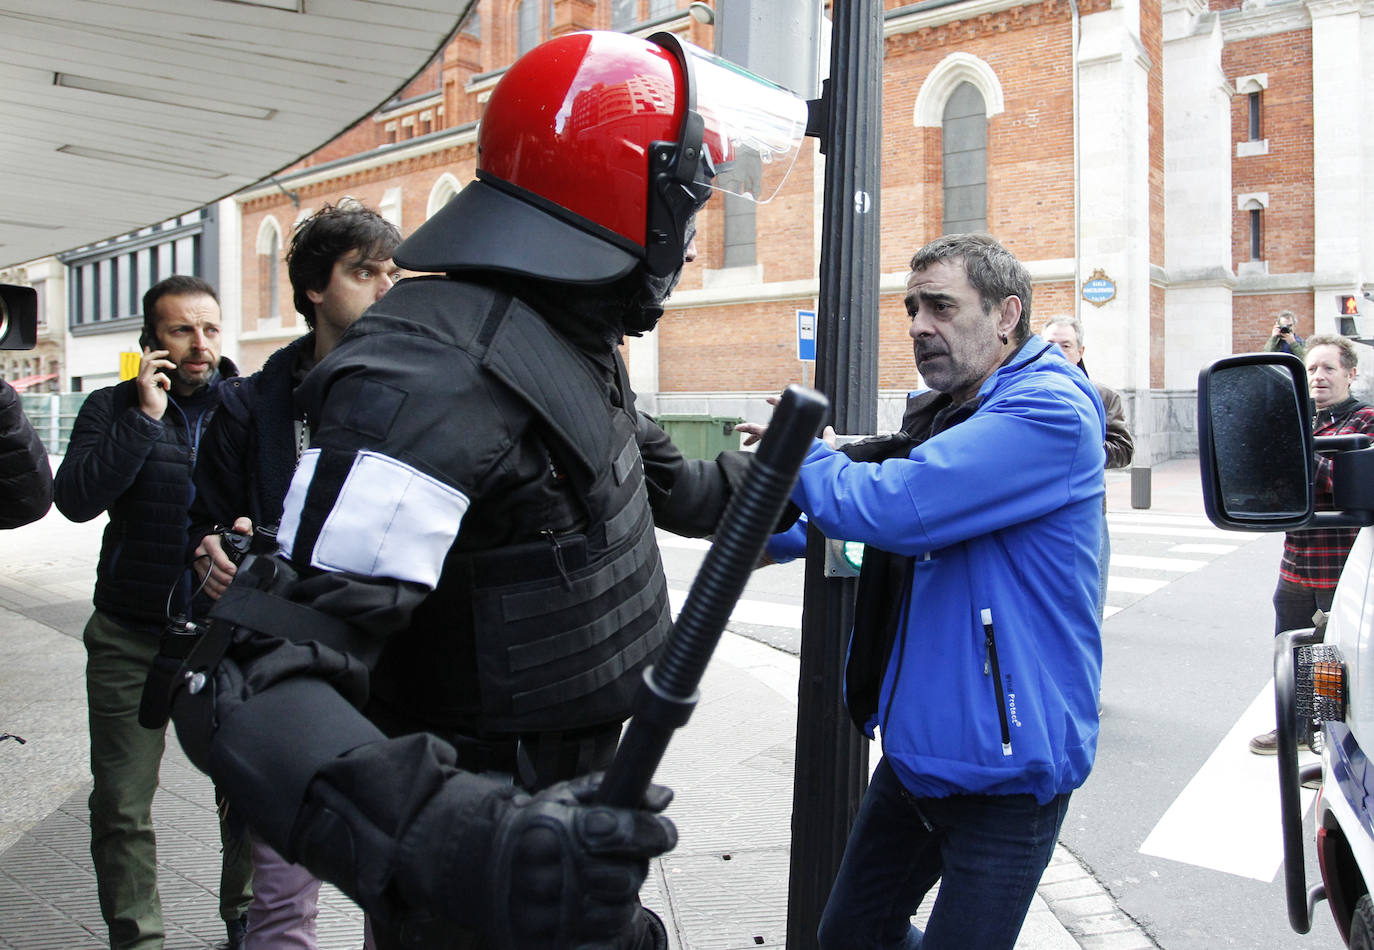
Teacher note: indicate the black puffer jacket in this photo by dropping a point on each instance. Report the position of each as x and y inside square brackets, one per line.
[139, 470]
[25, 478]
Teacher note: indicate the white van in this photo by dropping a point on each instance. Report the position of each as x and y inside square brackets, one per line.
[1257, 456]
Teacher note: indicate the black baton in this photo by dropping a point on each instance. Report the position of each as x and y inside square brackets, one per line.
[668, 694]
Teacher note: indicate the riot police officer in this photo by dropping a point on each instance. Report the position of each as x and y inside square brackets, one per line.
[413, 698]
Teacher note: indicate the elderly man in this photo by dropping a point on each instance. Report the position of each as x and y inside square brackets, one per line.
[976, 647]
[1066, 332]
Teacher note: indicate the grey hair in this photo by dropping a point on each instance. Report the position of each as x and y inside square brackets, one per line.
[1349, 357]
[992, 270]
[1066, 321]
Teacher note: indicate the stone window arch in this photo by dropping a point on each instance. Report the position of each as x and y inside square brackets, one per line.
[444, 191]
[269, 246]
[946, 77]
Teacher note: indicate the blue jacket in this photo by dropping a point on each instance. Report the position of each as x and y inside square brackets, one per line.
[991, 683]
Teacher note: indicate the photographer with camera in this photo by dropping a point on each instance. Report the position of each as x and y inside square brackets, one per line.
[131, 454]
[340, 264]
[1285, 337]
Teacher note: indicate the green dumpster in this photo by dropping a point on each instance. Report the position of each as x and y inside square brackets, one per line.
[701, 437]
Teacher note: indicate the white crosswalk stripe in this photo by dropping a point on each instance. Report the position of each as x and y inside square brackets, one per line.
[1145, 562]
[1151, 549]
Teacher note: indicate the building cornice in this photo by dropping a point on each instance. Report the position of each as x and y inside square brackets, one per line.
[1252, 22]
[406, 106]
[1326, 8]
[1043, 271]
[354, 164]
[1297, 283]
[946, 13]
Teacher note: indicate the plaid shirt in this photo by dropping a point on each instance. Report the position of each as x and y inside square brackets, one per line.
[1315, 557]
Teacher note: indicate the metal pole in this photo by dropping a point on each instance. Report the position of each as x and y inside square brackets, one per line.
[832, 757]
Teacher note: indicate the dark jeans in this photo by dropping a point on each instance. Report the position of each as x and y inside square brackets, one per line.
[987, 851]
[1295, 604]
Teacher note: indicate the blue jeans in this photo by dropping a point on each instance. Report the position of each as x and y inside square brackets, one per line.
[988, 851]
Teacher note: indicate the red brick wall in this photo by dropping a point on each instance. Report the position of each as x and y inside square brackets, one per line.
[751, 347]
[1285, 173]
[1030, 144]
[1052, 299]
[1253, 317]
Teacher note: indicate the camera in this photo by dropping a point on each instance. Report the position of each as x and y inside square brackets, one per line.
[1285, 330]
[235, 545]
[18, 317]
[178, 637]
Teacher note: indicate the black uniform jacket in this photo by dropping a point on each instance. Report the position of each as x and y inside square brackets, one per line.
[139, 470]
[460, 442]
[25, 478]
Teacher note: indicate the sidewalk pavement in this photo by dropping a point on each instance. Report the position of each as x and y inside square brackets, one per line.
[724, 887]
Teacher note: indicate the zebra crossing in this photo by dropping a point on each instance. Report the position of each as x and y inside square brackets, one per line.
[1150, 549]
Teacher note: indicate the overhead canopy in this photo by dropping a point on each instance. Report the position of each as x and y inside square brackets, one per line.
[25, 382]
[115, 114]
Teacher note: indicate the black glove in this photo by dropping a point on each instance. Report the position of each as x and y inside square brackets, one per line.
[566, 871]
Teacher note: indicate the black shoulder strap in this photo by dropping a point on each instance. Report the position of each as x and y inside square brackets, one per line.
[515, 345]
[550, 375]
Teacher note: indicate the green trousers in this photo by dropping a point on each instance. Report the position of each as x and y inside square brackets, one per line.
[125, 759]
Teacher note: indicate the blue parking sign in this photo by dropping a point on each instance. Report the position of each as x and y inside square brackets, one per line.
[806, 336]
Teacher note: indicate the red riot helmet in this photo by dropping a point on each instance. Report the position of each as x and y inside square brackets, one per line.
[595, 151]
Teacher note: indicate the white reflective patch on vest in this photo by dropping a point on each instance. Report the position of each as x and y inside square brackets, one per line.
[389, 520]
[295, 500]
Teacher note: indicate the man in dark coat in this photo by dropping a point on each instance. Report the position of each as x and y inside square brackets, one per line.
[131, 454]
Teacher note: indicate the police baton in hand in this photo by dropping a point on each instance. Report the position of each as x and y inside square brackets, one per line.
[668, 694]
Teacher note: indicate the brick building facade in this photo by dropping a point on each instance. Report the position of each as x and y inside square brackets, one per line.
[1204, 163]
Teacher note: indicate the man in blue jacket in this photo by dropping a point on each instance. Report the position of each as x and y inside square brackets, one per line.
[976, 650]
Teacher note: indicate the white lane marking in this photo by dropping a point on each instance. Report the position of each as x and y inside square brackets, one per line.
[1143, 562]
[1157, 518]
[761, 612]
[1227, 816]
[667, 539]
[1134, 585]
[776, 669]
[1109, 610]
[1203, 548]
[1168, 531]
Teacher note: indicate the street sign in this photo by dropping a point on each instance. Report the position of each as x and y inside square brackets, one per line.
[806, 336]
[1099, 288]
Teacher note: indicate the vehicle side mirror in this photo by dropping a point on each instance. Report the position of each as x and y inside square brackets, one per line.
[1255, 443]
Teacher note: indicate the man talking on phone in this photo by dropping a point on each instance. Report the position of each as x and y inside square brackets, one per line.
[131, 454]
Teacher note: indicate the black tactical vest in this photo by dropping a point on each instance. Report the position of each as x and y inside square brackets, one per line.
[563, 626]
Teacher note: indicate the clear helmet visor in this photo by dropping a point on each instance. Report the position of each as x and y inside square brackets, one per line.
[754, 128]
